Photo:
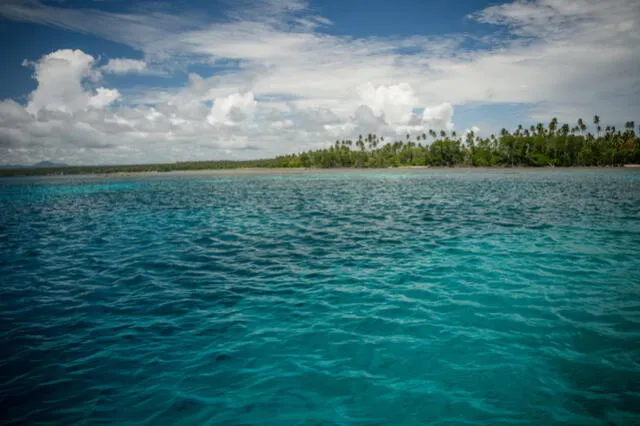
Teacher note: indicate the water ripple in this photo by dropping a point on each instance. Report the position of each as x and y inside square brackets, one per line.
[374, 297]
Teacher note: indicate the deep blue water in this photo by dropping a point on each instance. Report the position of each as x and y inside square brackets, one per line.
[375, 297]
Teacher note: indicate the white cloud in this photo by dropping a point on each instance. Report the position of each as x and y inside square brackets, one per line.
[12, 113]
[232, 110]
[284, 124]
[365, 117]
[124, 66]
[60, 75]
[393, 103]
[439, 117]
[103, 97]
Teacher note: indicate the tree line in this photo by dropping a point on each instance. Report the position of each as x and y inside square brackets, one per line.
[555, 144]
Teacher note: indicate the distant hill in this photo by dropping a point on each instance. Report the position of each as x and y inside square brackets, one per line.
[43, 164]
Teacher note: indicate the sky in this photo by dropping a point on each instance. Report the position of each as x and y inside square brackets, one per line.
[116, 82]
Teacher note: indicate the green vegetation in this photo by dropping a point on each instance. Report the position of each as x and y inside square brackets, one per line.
[538, 146]
[137, 168]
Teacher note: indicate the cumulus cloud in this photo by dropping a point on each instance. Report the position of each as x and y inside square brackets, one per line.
[67, 120]
[390, 109]
[365, 117]
[124, 66]
[60, 77]
[439, 117]
[232, 110]
[103, 97]
[393, 103]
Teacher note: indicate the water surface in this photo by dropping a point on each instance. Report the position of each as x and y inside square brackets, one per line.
[345, 298]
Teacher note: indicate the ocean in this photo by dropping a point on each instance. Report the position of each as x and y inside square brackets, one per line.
[361, 297]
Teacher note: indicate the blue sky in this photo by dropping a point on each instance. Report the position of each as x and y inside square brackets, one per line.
[95, 82]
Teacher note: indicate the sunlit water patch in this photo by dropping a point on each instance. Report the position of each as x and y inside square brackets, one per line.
[372, 297]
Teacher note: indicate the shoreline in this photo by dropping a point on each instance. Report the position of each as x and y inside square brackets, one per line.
[247, 171]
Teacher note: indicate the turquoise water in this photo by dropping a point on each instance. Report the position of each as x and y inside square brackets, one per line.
[438, 297]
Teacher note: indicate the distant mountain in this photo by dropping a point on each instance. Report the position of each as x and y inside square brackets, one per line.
[44, 164]
[40, 165]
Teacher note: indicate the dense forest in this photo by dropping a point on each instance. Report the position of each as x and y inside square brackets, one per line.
[556, 144]
[536, 146]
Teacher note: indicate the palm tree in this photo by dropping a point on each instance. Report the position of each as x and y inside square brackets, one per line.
[596, 121]
[370, 141]
[553, 125]
[581, 126]
[470, 137]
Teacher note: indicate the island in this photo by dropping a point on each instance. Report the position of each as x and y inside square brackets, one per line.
[553, 145]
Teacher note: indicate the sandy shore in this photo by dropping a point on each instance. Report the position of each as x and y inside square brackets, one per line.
[302, 171]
